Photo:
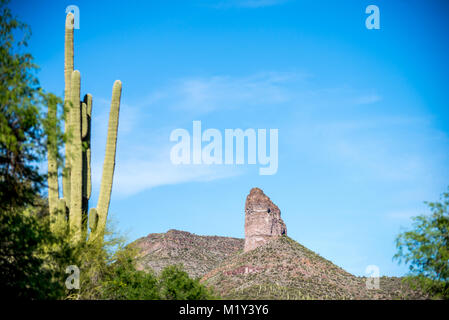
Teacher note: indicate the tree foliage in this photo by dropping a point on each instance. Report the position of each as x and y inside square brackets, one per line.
[108, 272]
[31, 256]
[124, 282]
[426, 248]
[22, 134]
[175, 284]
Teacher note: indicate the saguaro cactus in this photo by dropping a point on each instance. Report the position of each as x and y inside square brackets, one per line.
[72, 210]
[109, 158]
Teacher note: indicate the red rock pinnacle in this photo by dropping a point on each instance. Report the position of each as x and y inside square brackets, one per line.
[262, 220]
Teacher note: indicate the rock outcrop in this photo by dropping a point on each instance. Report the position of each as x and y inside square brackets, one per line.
[262, 220]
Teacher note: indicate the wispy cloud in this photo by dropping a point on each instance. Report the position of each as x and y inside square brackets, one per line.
[208, 94]
[134, 175]
[201, 95]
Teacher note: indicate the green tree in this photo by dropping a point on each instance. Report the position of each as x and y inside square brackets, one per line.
[30, 256]
[96, 261]
[124, 282]
[426, 249]
[175, 284]
[22, 135]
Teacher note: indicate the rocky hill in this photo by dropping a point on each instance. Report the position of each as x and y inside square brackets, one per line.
[284, 269]
[198, 254]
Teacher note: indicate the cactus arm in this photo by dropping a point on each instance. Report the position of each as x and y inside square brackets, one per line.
[109, 159]
[85, 136]
[76, 190]
[85, 128]
[84, 146]
[88, 99]
[52, 151]
[84, 120]
[68, 69]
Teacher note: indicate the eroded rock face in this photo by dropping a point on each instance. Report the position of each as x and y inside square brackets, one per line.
[262, 220]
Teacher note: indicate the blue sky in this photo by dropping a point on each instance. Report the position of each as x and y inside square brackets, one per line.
[362, 114]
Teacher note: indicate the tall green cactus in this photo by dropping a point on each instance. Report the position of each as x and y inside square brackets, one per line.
[76, 174]
[72, 211]
[109, 158]
[68, 69]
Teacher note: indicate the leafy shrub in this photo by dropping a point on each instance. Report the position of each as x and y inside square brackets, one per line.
[175, 284]
[31, 257]
[426, 248]
[124, 282]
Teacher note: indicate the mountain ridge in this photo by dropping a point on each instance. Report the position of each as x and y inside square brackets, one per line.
[279, 269]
